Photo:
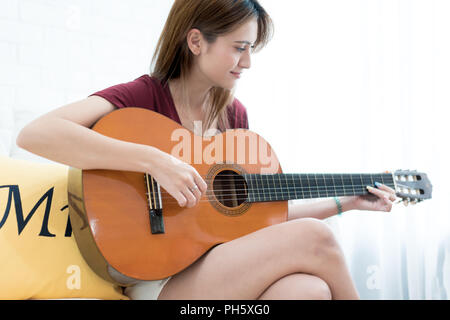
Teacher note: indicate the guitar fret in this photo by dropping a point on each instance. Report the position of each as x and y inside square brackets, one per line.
[263, 188]
[344, 184]
[317, 185]
[278, 188]
[309, 186]
[329, 183]
[362, 182]
[275, 187]
[353, 187]
[378, 178]
[270, 187]
[298, 184]
[286, 186]
[333, 186]
[257, 187]
[367, 181]
[250, 188]
[336, 183]
[301, 188]
[358, 182]
[267, 193]
[321, 186]
[254, 186]
[295, 188]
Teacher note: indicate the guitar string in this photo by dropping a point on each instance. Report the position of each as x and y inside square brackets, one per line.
[288, 180]
[254, 199]
[287, 189]
[298, 174]
[243, 196]
[283, 190]
[259, 195]
[293, 183]
[262, 193]
[305, 175]
[172, 200]
[175, 202]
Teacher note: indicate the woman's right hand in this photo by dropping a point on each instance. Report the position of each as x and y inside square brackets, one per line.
[178, 178]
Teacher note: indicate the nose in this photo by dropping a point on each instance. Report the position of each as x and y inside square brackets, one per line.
[245, 61]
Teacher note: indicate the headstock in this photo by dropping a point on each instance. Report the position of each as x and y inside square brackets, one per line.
[412, 186]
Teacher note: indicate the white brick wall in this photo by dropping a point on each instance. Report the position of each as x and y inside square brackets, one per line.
[53, 52]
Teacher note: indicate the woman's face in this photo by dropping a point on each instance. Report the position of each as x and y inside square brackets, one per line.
[222, 62]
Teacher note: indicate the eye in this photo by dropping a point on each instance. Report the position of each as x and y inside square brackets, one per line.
[240, 49]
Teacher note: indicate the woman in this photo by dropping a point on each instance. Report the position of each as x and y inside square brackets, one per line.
[204, 48]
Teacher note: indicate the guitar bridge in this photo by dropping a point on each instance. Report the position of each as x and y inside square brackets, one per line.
[156, 221]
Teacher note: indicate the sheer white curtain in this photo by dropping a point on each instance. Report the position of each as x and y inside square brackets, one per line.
[363, 86]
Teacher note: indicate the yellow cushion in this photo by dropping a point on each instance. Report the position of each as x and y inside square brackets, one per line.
[39, 258]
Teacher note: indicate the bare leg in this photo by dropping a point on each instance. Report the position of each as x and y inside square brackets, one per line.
[297, 286]
[245, 267]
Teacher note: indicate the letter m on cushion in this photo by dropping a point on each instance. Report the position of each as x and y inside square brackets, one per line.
[22, 221]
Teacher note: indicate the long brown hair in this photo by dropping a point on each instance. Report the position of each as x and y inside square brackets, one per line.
[173, 59]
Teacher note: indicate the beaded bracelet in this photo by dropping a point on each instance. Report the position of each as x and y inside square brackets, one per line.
[339, 205]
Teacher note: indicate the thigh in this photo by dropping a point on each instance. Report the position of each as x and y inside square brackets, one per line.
[243, 268]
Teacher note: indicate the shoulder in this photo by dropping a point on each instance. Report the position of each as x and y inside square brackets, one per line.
[238, 106]
[138, 92]
[238, 116]
[142, 85]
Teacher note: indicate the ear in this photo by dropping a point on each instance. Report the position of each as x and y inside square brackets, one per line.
[195, 41]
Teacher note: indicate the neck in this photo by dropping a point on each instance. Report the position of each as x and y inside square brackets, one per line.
[281, 186]
[197, 89]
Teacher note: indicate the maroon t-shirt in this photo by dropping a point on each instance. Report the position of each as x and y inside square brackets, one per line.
[148, 92]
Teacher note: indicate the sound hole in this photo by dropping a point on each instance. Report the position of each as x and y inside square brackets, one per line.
[230, 188]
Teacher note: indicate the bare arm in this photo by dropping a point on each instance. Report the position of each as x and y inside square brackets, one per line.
[320, 210]
[63, 135]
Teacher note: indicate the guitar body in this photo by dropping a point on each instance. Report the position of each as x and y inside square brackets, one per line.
[109, 210]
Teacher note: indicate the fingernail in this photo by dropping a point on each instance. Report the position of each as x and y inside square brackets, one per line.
[377, 184]
[369, 188]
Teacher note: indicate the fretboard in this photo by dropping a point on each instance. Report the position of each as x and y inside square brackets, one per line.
[291, 186]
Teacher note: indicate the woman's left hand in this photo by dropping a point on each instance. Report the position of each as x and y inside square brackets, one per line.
[380, 199]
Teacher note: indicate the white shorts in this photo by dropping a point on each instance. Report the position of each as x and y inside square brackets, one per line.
[146, 290]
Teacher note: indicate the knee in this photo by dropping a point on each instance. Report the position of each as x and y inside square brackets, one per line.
[319, 290]
[319, 236]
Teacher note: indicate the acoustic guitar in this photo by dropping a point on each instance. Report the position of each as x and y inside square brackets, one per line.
[129, 228]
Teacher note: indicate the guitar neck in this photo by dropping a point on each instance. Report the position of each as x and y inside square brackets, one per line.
[292, 186]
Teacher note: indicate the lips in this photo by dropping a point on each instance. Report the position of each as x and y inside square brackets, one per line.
[236, 74]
